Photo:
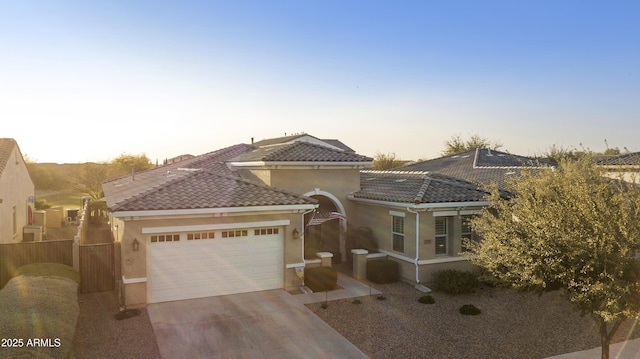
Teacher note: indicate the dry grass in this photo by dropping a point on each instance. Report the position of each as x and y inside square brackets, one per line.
[42, 308]
[48, 269]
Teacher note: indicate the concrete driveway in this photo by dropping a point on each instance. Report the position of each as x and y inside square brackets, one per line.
[268, 324]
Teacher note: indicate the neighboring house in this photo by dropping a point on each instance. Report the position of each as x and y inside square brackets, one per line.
[482, 166]
[420, 213]
[626, 165]
[17, 193]
[232, 220]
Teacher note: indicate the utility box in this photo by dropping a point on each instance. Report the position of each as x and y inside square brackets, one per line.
[40, 219]
[32, 233]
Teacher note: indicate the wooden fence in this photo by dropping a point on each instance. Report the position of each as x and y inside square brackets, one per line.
[14, 255]
[97, 268]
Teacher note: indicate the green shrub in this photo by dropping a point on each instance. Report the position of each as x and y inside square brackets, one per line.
[455, 281]
[320, 279]
[426, 299]
[382, 271]
[469, 309]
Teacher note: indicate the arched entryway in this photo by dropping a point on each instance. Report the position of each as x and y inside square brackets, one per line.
[327, 236]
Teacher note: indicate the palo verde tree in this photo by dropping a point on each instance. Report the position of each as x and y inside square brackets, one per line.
[457, 144]
[568, 228]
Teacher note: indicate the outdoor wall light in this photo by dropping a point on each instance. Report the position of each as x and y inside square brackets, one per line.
[295, 233]
[136, 244]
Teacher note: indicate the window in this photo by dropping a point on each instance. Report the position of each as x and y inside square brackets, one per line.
[467, 232]
[238, 233]
[265, 231]
[165, 238]
[441, 235]
[397, 231]
[198, 235]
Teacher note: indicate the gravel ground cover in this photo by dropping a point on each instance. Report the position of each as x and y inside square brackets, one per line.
[511, 325]
[100, 335]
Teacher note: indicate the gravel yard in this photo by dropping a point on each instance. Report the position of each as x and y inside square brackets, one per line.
[512, 325]
[99, 335]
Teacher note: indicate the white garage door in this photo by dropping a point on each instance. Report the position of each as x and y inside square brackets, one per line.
[204, 264]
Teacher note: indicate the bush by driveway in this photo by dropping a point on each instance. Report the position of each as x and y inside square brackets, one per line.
[38, 316]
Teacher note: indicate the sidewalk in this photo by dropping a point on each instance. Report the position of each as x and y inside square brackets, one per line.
[623, 350]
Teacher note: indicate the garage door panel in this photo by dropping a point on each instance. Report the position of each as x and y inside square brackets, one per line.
[218, 266]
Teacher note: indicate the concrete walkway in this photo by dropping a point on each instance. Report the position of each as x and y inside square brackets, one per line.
[623, 350]
[268, 324]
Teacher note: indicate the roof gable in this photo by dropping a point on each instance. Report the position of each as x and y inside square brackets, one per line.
[300, 152]
[121, 189]
[416, 187]
[6, 149]
[203, 189]
[483, 166]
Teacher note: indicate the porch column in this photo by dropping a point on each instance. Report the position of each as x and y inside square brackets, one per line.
[360, 263]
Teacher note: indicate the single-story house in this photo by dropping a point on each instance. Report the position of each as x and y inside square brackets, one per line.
[232, 220]
[17, 193]
[237, 219]
[626, 165]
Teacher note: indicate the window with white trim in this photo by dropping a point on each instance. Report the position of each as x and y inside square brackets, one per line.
[397, 232]
[466, 232]
[236, 233]
[265, 231]
[441, 235]
[165, 238]
[200, 235]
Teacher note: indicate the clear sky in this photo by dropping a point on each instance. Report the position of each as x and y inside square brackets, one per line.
[90, 80]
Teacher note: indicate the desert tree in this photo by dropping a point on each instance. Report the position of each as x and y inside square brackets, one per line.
[568, 228]
[457, 144]
[89, 178]
[385, 161]
[123, 164]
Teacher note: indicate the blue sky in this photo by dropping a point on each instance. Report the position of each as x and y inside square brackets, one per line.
[87, 81]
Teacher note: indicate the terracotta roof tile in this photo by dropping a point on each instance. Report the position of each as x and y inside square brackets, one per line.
[416, 187]
[121, 189]
[203, 189]
[480, 166]
[625, 159]
[300, 152]
[6, 148]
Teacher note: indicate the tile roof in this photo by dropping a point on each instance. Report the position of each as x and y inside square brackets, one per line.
[300, 152]
[121, 189]
[482, 166]
[204, 189]
[416, 187]
[625, 159]
[6, 148]
[303, 137]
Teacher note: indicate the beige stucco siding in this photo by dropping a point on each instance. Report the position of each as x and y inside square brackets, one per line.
[379, 219]
[134, 263]
[15, 189]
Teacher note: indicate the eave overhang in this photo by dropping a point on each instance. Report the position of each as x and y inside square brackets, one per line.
[297, 208]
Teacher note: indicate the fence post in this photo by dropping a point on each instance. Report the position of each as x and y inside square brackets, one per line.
[76, 253]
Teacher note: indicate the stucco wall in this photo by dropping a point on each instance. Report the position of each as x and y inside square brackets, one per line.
[379, 219]
[15, 189]
[134, 263]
